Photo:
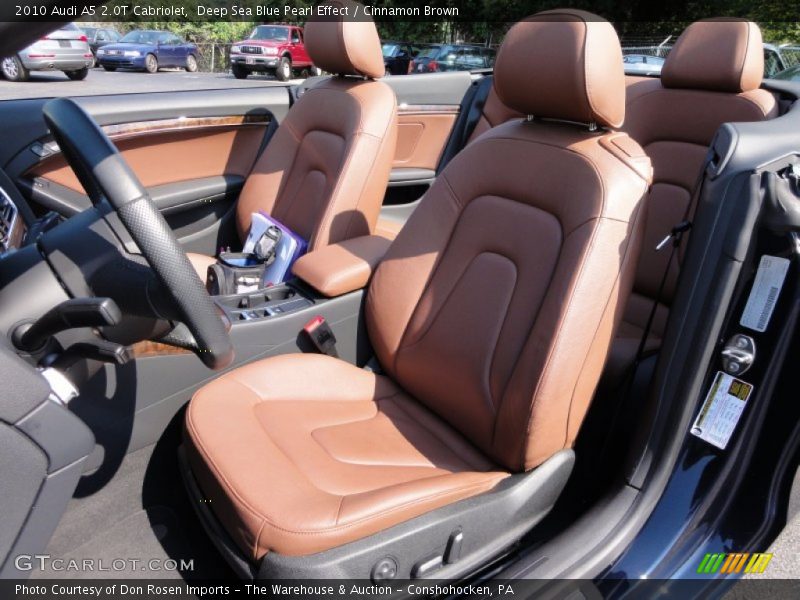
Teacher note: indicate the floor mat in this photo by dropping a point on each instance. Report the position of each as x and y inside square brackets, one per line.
[146, 543]
[140, 524]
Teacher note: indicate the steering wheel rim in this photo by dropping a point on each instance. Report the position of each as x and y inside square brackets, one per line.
[103, 172]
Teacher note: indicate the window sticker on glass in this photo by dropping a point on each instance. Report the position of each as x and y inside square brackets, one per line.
[722, 410]
[764, 295]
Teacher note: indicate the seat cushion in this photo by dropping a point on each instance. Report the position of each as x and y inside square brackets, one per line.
[301, 453]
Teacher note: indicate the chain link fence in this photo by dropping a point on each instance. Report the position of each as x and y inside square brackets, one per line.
[790, 55]
[213, 57]
[660, 51]
[659, 47]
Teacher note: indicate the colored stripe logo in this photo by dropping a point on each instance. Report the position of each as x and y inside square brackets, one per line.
[737, 562]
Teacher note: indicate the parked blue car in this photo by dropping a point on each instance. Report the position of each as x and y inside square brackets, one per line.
[149, 51]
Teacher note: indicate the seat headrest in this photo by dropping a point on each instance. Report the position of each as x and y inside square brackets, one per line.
[721, 55]
[343, 46]
[563, 64]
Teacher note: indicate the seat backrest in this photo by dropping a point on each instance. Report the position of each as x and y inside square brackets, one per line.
[325, 171]
[497, 302]
[711, 76]
[493, 113]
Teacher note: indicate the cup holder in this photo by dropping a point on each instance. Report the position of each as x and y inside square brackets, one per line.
[259, 298]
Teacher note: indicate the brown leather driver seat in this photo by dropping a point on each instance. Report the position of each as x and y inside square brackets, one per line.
[491, 316]
[325, 171]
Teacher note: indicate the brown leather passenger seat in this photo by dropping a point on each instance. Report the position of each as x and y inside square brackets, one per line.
[325, 171]
[491, 316]
[712, 76]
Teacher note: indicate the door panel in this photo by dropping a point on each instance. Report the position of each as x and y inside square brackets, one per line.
[422, 133]
[428, 108]
[174, 152]
[192, 150]
[192, 166]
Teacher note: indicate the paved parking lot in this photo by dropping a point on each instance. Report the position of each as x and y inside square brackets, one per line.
[101, 82]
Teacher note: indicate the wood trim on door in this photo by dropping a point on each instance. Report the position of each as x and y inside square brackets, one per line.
[129, 130]
[172, 150]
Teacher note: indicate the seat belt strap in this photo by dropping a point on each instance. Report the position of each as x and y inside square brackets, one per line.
[476, 110]
[373, 366]
[471, 110]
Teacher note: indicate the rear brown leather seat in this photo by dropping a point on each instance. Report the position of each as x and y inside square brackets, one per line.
[712, 76]
[325, 171]
[491, 315]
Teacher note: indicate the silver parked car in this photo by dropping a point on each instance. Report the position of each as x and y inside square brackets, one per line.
[66, 49]
[642, 64]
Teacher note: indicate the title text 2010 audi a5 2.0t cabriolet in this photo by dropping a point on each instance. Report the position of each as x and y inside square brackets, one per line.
[531, 324]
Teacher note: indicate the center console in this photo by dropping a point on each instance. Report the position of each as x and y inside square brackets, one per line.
[328, 282]
[273, 301]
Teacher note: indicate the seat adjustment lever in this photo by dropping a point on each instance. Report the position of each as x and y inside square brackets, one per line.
[99, 350]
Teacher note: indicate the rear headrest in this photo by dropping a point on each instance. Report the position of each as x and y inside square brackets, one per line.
[343, 46]
[722, 55]
[563, 64]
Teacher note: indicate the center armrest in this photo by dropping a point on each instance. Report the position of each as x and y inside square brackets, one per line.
[343, 267]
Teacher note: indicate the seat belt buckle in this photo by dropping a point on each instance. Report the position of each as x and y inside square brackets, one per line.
[675, 235]
[321, 336]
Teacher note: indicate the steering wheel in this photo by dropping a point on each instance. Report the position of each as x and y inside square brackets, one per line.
[104, 174]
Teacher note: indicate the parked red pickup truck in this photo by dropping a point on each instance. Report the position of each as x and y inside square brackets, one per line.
[277, 49]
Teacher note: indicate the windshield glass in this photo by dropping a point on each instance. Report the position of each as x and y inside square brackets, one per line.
[140, 37]
[265, 32]
[389, 49]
